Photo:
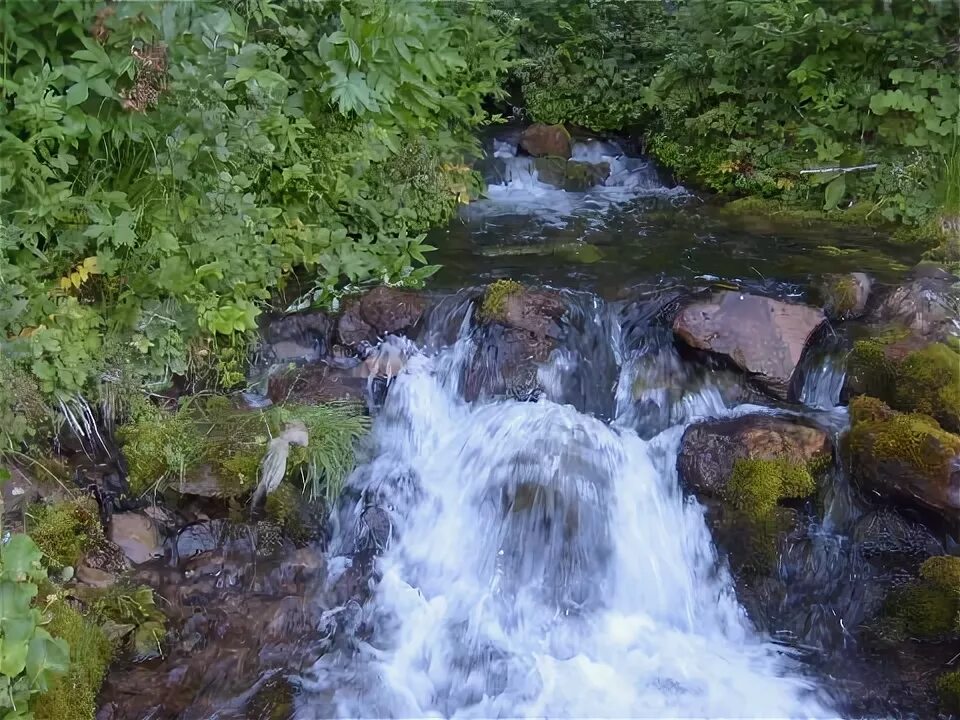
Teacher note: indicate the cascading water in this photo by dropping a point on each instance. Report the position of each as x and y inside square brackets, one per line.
[540, 561]
[516, 187]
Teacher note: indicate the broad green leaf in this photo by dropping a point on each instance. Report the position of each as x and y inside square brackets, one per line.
[834, 192]
[77, 93]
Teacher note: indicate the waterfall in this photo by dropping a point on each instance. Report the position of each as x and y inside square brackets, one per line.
[542, 561]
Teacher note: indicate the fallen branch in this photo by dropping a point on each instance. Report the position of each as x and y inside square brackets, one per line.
[812, 171]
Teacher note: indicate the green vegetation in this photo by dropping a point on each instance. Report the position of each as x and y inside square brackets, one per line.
[130, 618]
[163, 449]
[31, 657]
[930, 606]
[74, 695]
[915, 439]
[924, 380]
[756, 486]
[495, 299]
[140, 139]
[743, 96]
[65, 531]
[948, 688]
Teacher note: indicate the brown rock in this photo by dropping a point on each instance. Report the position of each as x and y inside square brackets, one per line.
[516, 339]
[94, 577]
[709, 450]
[351, 327]
[136, 535]
[388, 310]
[540, 139]
[926, 305]
[380, 312]
[302, 336]
[762, 336]
[316, 384]
[906, 457]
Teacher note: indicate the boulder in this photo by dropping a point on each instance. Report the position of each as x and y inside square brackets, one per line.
[904, 456]
[317, 384]
[927, 305]
[571, 175]
[137, 536]
[845, 296]
[300, 337]
[910, 374]
[709, 450]
[519, 329]
[762, 336]
[382, 311]
[540, 139]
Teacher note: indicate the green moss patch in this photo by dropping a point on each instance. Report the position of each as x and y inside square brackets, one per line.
[948, 690]
[756, 486]
[924, 380]
[930, 606]
[915, 439]
[495, 299]
[65, 531]
[74, 695]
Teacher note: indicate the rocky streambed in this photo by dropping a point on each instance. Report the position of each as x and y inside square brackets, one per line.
[584, 483]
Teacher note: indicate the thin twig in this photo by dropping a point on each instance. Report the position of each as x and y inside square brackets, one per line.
[813, 171]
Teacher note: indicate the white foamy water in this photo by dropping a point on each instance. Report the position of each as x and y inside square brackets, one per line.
[543, 563]
[521, 191]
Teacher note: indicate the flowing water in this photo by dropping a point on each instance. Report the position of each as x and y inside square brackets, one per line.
[543, 563]
[541, 558]
[499, 557]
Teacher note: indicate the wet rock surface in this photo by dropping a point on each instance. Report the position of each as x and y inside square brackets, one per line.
[380, 312]
[709, 450]
[571, 175]
[546, 140]
[137, 536]
[927, 305]
[845, 297]
[300, 337]
[906, 457]
[762, 336]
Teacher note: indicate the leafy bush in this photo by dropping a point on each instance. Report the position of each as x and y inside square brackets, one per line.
[166, 168]
[587, 63]
[31, 659]
[756, 91]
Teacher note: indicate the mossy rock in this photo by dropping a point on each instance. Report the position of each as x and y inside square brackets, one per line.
[74, 696]
[845, 296]
[909, 376]
[66, 530]
[494, 304]
[948, 690]
[757, 486]
[904, 455]
[922, 610]
[942, 571]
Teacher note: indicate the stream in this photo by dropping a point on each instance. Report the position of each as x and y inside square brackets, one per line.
[533, 554]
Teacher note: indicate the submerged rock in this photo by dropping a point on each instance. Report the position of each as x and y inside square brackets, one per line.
[762, 336]
[571, 175]
[845, 296]
[904, 456]
[553, 140]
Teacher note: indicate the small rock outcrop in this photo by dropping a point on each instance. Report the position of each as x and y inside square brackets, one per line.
[546, 140]
[927, 305]
[380, 312]
[904, 456]
[845, 296]
[519, 329]
[709, 450]
[137, 536]
[300, 337]
[910, 374]
[762, 336]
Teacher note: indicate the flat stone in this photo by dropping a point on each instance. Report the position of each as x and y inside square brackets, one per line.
[137, 536]
[762, 336]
